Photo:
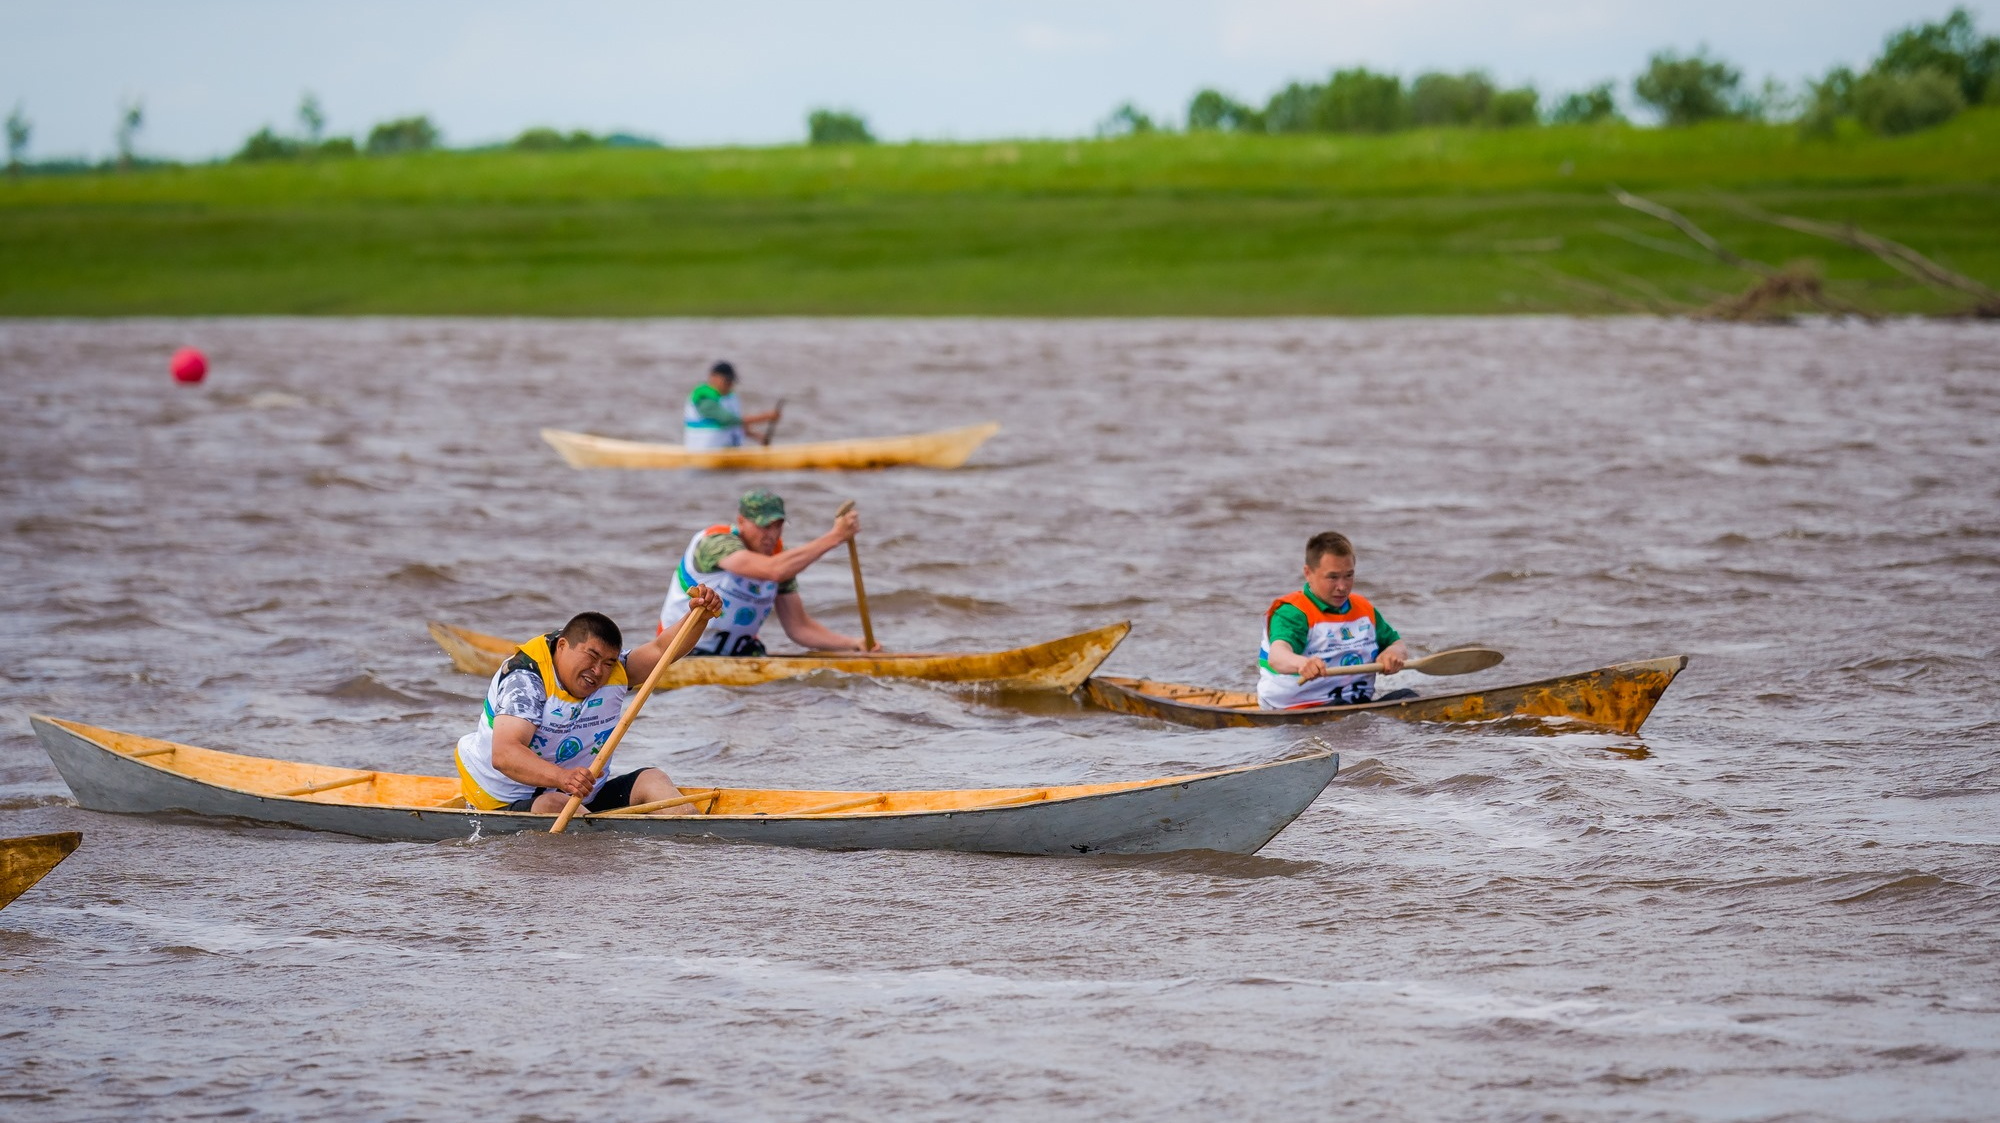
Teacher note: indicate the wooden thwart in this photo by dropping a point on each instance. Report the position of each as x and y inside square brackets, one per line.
[648, 808]
[329, 785]
[841, 805]
[1029, 797]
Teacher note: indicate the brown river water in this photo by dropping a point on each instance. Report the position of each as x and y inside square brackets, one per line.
[1781, 902]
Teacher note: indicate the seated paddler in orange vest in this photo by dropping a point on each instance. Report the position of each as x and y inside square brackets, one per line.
[757, 577]
[1324, 626]
[551, 708]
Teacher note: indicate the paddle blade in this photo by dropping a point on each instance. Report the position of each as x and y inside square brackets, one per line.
[1457, 661]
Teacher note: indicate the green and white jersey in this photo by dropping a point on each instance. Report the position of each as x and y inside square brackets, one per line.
[712, 419]
[746, 602]
[1342, 635]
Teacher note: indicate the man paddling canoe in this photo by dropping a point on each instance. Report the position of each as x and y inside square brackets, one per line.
[1325, 625]
[714, 417]
[756, 576]
[550, 708]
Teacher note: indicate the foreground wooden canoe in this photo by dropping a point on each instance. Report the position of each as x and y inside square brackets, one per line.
[1236, 810]
[1060, 664]
[1616, 698]
[23, 861]
[947, 448]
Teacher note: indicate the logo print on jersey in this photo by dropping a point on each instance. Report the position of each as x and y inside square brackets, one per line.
[745, 616]
[569, 748]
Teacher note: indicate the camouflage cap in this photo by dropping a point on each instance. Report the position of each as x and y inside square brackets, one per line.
[761, 507]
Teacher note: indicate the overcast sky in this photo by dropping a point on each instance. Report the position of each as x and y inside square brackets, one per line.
[211, 71]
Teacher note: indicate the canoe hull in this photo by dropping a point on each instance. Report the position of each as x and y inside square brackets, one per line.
[1060, 665]
[24, 861]
[1234, 811]
[947, 448]
[1617, 698]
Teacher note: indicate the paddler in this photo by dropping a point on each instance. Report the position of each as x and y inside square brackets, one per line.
[749, 566]
[714, 417]
[549, 709]
[1310, 634]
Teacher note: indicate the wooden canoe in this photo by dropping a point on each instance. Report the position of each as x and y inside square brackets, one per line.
[1617, 698]
[947, 448]
[23, 861]
[1060, 664]
[1235, 810]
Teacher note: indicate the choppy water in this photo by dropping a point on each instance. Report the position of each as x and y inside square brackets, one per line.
[1783, 902]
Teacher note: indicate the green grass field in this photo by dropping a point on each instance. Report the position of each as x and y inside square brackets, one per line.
[1436, 221]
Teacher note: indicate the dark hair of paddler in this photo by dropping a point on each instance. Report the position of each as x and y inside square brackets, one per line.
[586, 626]
[1327, 542]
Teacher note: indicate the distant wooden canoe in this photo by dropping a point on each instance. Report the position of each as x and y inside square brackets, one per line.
[1235, 810]
[947, 448]
[1617, 698]
[23, 861]
[1060, 664]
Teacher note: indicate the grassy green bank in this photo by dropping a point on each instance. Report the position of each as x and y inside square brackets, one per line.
[1454, 221]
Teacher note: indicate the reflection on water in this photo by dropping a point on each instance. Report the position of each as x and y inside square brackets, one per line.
[1781, 900]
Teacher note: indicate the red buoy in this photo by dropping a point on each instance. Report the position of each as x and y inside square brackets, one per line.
[189, 365]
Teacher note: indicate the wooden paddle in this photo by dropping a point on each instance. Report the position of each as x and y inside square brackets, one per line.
[860, 593]
[684, 640]
[1457, 661]
[771, 426]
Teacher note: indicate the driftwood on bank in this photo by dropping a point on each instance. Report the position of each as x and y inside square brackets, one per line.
[1986, 302]
[1701, 237]
[1776, 288]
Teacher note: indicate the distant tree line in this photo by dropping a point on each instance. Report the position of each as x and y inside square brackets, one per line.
[404, 135]
[1356, 100]
[1926, 74]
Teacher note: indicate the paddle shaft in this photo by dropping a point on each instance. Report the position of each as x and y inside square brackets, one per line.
[689, 629]
[860, 592]
[771, 426]
[1428, 665]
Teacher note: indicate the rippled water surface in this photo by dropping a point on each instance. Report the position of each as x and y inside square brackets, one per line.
[1781, 902]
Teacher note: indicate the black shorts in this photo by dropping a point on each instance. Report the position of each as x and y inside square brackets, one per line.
[616, 793]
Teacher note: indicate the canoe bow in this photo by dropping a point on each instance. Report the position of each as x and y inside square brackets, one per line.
[24, 861]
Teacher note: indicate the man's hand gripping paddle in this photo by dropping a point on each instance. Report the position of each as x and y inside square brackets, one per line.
[684, 641]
